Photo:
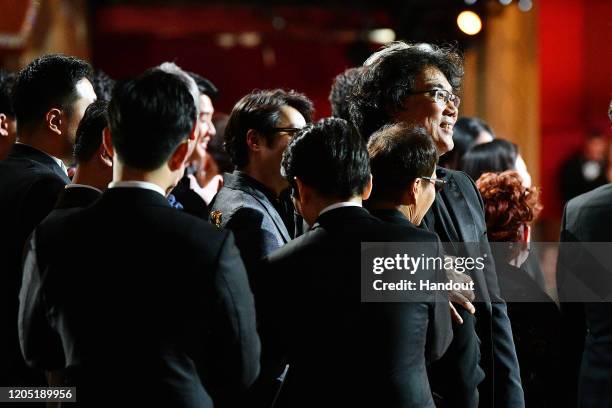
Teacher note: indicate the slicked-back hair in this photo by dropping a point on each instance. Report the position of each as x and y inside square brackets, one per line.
[399, 155]
[260, 110]
[149, 117]
[7, 80]
[205, 86]
[45, 83]
[330, 157]
[389, 76]
[89, 133]
[341, 89]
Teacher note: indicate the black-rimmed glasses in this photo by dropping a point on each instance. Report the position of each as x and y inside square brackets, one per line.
[441, 96]
[438, 183]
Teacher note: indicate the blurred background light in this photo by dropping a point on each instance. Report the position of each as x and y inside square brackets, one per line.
[469, 22]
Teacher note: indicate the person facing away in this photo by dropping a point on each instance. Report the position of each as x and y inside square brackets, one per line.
[416, 84]
[342, 352]
[151, 302]
[50, 96]
[8, 123]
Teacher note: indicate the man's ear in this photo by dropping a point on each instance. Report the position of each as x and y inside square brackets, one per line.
[179, 157]
[415, 189]
[3, 125]
[53, 120]
[303, 193]
[106, 158]
[107, 142]
[253, 140]
[368, 189]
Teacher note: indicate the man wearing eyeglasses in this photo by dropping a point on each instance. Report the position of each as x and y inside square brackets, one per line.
[415, 84]
[251, 202]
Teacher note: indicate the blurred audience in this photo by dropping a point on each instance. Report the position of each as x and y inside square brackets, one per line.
[585, 170]
[103, 85]
[495, 156]
[341, 89]
[467, 132]
[510, 210]
[8, 122]
[49, 97]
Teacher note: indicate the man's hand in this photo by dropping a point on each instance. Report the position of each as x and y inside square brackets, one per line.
[463, 297]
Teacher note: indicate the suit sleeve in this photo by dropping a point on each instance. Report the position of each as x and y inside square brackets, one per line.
[508, 386]
[236, 337]
[440, 330]
[40, 344]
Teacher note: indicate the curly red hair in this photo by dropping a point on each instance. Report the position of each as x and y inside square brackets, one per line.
[509, 206]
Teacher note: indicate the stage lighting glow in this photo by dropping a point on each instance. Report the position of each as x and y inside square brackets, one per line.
[470, 2]
[525, 5]
[469, 22]
[382, 35]
[249, 39]
[505, 2]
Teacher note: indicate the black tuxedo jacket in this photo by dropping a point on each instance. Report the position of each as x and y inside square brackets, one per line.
[587, 327]
[151, 303]
[342, 352]
[190, 200]
[457, 216]
[72, 199]
[30, 182]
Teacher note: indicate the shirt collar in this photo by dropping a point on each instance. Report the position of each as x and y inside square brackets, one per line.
[82, 186]
[55, 159]
[137, 184]
[339, 205]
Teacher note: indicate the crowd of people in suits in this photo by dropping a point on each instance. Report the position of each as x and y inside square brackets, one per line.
[152, 256]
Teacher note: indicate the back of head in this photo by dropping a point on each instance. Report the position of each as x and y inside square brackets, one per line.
[260, 110]
[398, 156]
[172, 68]
[149, 117]
[340, 91]
[7, 80]
[329, 157]
[47, 82]
[103, 85]
[465, 135]
[496, 156]
[388, 78]
[509, 206]
[89, 132]
[205, 86]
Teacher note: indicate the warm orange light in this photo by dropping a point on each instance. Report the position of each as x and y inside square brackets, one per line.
[469, 22]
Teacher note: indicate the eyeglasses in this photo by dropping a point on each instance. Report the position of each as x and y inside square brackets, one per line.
[438, 183]
[441, 96]
[291, 130]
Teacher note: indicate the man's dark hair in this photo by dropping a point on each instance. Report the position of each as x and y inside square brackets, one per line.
[496, 156]
[89, 132]
[330, 157]
[103, 85]
[465, 133]
[389, 76]
[7, 80]
[398, 156]
[149, 117]
[47, 82]
[260, 110]
[215, 145]
[205, 86]
[340, 91]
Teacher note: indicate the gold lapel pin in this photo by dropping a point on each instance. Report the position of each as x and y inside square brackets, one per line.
[216, 217]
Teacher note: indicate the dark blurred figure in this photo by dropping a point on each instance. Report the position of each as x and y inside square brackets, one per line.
[94, 166]
[495, 156]
[585, 170]
[8, 122]
[467, 132]
[342, 352]
[341, 89]
[103, 85]
[417, 84]
[50, 97]
[587, 327]
[164, 314]
[193, 191]
[510, 210]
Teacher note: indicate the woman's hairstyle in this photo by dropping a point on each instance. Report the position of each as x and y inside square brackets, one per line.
[465, 134]
[495, 156]
[509, 206]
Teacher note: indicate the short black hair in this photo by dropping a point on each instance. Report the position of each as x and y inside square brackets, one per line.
[330, 157]
[260, 110]
[465, 132]
[89, 132]
[48, 81]
[389, 77]
[103, 85]
[341, 88]
[149, 117]
[7, 80]
[495, 156]
[399, 155]
[215, 145]
[205, 86]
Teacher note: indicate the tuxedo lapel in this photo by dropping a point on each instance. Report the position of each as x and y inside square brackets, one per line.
[460, 221]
